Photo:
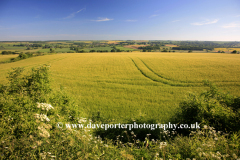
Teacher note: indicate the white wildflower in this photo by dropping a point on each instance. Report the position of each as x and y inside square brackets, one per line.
[42, 117]
[43, 155]
[218, 153]
[234, 156]
[163, 144]
[44, 106]
[44, 132]
[82, 120]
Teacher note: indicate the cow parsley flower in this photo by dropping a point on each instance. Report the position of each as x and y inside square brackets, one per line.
[44, 132]
[44, 106]
[42, 117]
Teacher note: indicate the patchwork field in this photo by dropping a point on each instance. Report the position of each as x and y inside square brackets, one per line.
[113, 42]
[121, 85]
[171, 45]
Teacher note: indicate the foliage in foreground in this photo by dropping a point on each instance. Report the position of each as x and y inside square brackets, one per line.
[214, 108]
[30, 110]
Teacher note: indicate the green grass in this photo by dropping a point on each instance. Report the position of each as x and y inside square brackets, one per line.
[97, 48]
[126, 49]
[9, 46]
[58, 50]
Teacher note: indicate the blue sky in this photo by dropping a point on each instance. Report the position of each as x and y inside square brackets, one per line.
[212, 20]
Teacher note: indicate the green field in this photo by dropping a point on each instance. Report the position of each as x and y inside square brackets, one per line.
[122, 85]
[65, 50]
[58, 50]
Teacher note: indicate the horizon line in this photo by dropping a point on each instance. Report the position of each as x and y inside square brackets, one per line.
[117, 40]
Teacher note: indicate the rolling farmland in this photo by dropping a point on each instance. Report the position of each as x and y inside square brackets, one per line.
[122, 85]
[120, 80]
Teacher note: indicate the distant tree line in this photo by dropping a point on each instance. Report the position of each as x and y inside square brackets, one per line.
[36, 45]
[190, 48]
[8, 52]
[20, 45]
[152, 47]
[25, 55]
[32, 45]
[126, 43]
[200, 45]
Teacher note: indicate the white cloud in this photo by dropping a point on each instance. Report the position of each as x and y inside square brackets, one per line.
[176, 21]
[102, 19]
[205, 22]
[131, 20]
[232, 25]
[74, 13]
[154, 15]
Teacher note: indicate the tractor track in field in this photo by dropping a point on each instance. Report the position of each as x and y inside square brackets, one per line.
[183, 81]
[161, 79]
[165, 77]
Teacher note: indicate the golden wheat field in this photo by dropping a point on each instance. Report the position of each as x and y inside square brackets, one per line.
[7, 57]
[121, 85]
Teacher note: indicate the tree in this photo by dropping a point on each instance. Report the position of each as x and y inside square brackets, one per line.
[7, 52]
[22, 56]
[164, 50]
[92, 50]
[52, 51]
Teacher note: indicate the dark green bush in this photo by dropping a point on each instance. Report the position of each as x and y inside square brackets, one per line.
[18, 106]
[212, 108]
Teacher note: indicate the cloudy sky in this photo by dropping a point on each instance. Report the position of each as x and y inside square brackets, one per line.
[213, 20]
